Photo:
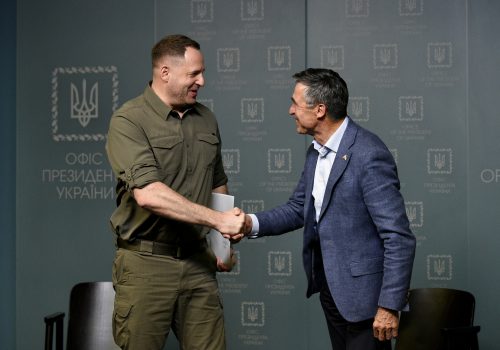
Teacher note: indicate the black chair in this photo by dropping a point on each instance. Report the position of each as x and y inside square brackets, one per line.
[89, 323]
[439, 319]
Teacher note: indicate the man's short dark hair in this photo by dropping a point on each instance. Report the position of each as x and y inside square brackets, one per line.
[327, 87]
[172, 45]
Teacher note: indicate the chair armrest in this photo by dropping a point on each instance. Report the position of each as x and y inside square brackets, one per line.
[52, 318]
[461, 330]
[457, 335]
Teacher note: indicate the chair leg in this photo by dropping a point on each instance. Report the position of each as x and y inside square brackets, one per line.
[50, 320]
[59, 334]
[49, 331]
[474, 343]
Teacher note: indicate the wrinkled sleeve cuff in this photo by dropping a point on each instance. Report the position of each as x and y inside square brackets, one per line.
[139, 176]
[255, 227]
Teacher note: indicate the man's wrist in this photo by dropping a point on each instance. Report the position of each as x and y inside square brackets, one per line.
[254, 231]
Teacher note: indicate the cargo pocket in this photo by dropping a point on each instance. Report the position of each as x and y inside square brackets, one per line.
[120, 323]
[168, 152]
[208, 144]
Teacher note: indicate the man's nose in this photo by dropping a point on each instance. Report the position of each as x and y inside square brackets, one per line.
[201, 80]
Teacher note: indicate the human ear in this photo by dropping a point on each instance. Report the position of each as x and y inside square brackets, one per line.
[321, 110]
[164, 73]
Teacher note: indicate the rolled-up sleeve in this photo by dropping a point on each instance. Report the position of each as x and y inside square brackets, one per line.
[130, 154]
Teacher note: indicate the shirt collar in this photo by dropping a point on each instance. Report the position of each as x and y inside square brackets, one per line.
[159, 106]
[333, 142]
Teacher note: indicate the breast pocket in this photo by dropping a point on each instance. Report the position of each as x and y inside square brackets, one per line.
[168, 153]
[207, 147]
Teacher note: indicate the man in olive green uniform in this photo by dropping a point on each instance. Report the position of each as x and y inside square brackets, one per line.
[165, 150]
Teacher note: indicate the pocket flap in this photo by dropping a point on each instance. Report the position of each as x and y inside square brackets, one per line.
[210, 138]
[165, 141]
[367, 267]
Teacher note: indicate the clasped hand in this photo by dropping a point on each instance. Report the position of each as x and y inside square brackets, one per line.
[234, 224]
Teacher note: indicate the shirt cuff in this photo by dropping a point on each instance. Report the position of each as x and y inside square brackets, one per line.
[254, 233]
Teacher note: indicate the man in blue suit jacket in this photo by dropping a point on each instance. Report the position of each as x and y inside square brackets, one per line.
[358, 248]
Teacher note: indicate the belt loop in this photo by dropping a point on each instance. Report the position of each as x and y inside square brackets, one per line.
[147, 247]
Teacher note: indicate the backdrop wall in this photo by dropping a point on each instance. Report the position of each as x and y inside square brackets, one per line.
[8, 173]
[422, 74]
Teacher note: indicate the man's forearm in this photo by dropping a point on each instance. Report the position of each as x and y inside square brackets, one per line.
[163, 201]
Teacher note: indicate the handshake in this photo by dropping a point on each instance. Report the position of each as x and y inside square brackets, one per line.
[234, 224]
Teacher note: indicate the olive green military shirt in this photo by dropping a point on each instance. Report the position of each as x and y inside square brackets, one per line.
[148, 142]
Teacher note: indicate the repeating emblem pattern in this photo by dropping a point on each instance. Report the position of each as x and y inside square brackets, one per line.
[253, 314]
[202, 11]
[279, 58]
[279, 161]
[359, 108]
[231, 160]
[252, 110]
[332, 57]
[357, 8]
[411, 7]
[385, 56]
[439, 267]
[439, 161]
[411, 108]
[279, 263]
[75, 96]
[439, 55]
[415, 213]
[252, 10]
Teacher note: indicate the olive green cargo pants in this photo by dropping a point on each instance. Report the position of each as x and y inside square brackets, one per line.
[156, 293]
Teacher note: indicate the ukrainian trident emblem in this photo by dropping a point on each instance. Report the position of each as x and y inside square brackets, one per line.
[84, 103]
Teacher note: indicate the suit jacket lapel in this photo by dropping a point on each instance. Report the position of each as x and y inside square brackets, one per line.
[341, 160]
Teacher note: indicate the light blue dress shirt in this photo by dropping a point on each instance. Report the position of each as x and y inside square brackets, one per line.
[324, 165]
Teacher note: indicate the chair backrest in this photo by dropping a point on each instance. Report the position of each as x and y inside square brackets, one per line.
[90, 316]
[431, 310]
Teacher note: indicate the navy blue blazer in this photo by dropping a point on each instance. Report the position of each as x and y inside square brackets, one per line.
[366, 242]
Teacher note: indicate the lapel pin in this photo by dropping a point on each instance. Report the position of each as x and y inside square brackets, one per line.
[344, 157]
